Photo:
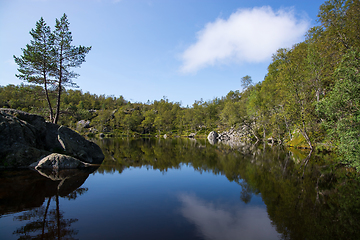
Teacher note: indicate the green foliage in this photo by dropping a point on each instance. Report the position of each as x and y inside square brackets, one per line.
[341, 111]
[36, 64]
[48, 60]
[246, 82]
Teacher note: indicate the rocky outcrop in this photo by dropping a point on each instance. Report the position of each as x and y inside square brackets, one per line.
[233, 137]
[83, 124]
[25, 138]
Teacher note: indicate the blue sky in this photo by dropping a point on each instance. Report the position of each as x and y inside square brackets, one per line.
[185, 50]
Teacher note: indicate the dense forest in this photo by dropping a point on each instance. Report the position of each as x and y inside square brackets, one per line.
[310, 97]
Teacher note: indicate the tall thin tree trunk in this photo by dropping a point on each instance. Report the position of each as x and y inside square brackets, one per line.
[59, 88]
[58, 103]
[287, 127]
[264, 134]
[45, 71]
[48, 99]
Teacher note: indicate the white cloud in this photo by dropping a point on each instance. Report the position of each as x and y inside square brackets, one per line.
[218, 223]
[248, 35]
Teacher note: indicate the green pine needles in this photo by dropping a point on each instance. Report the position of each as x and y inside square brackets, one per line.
[49, 58]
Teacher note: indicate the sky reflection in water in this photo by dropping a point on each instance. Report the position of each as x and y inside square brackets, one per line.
[143, 203]
[185, 190]
[177, 204]
[225, 222]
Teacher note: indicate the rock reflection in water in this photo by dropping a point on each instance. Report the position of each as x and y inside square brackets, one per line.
[221, 222]
[26, 191]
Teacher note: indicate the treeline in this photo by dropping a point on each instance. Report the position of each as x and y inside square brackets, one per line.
[310, 96]
[117, 115]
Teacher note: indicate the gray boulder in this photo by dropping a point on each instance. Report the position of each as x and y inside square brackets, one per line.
[83, 124]
[59, 161]
[213, 137]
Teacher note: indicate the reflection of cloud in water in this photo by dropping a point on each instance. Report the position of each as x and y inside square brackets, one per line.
[219, 223]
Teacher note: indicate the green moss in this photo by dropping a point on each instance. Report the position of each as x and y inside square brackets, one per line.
[298, 141]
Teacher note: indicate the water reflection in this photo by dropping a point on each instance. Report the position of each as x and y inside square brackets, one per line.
[28, 191]
[45, 223]
[307, 194]
[221, 222]
[303, 195]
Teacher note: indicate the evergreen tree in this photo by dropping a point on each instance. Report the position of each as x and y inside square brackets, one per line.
[36, 63]
[246, 82]
[66, 57]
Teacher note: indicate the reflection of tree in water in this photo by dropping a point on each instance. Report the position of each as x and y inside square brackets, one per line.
[46, 223]
[49, 223]
[246, 192]
[76, 193]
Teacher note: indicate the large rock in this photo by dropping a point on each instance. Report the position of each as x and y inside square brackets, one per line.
[59, 161]
[25, 138]
[77, 146]
[213, 137]
[19, 139]
[51, 141]
[36, 121]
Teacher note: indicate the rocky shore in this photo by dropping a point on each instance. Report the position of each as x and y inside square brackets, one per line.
[233, 137]
[27, 140]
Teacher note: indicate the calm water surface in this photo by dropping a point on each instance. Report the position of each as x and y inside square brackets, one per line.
[182, 189]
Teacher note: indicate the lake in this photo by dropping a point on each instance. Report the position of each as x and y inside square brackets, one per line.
[185, 189]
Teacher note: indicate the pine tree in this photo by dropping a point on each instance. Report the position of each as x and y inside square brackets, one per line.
[36, 63]
[66, 57]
